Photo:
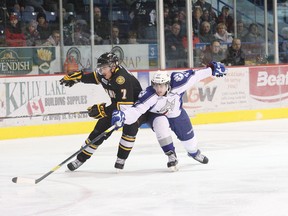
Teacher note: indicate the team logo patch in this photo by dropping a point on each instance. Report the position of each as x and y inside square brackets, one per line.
[120, 80]
[178, 77]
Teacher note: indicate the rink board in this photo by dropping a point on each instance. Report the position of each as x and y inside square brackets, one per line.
[246, 93]
[86, 127]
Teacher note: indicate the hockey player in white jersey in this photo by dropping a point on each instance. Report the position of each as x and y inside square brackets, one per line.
[165, 96]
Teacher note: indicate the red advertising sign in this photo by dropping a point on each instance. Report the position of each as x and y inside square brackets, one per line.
[269, 84]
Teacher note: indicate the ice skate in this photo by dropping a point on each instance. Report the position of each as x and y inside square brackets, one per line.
[172, 161]
[74, 165]
[119, 164]
[199, 157]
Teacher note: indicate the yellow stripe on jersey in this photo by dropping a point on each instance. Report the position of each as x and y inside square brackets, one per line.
[95, 76]
[123, 103]
[116, 70]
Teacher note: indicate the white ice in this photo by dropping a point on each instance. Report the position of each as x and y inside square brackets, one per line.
[247, 175]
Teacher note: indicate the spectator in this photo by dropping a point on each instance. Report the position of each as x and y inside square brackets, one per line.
[81, 36]
[197, 20]
[31, 34]
[114, 39]
[222, 34]
[235, 55]
[283, 46]
[15, 37]
[143, 16]
[17, 10]
[53, 40]
[213, 52]
[68, 30]
[175, 52]
[253, 34]
[37, 4]
[254, 43]
[195, 39]
[168, 21]
[173, 5]
[205, 33]
[101, 27]
[51, 5]
[241, 30]
[183, 23]
[43, 27]
[227, 19]
[212, 20]
[132, 37]
[204, 6]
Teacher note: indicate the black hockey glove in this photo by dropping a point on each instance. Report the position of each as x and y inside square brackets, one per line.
[97, 111]
[71, 78]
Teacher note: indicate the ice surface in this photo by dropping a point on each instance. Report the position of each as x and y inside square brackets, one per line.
[247, 175]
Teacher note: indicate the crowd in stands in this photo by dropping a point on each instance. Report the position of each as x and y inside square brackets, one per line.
[36, 23]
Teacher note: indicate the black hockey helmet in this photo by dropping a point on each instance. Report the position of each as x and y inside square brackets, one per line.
[107, 58]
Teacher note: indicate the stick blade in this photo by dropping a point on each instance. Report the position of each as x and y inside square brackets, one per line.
[21, 180]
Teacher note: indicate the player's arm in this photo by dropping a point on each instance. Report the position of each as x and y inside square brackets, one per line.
[147, 99]
[181, 81]
[78, 76]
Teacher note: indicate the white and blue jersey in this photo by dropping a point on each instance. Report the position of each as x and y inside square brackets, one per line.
[170, 104]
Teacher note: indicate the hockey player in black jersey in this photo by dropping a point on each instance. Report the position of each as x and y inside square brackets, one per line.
[123, 89]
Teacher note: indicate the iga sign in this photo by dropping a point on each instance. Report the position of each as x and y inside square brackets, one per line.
[269, 84]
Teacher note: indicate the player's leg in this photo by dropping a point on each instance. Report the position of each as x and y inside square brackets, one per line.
[160, 125]
[102, 125]
[184, 131]
[127, 141]
[126, 144]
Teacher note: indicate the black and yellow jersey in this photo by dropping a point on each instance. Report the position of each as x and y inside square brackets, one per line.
[123, 88]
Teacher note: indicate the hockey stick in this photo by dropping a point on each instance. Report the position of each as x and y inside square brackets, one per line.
[44, 115]
[35, 181]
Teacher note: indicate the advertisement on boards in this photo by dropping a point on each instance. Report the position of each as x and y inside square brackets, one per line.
[29, 61]
[269, 84]
[42, 95]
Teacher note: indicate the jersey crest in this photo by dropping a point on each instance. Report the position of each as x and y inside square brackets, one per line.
[120, 80]
[178, 77]
[169, 106]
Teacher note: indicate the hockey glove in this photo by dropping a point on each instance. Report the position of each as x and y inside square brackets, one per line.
[71, 78]
[97, 111]
[118, 119]
[218, 69]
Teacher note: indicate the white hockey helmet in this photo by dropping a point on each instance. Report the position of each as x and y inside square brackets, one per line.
[161, 77]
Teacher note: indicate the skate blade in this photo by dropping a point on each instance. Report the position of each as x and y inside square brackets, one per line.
[173, 168]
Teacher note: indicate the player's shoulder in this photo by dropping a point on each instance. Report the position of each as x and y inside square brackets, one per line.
[180, 77]
[147, 93]
[122, 76]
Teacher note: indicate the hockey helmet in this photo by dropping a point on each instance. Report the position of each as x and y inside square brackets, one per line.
[161, 77]
[107, 58]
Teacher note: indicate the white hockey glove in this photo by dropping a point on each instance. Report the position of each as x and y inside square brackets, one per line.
[218, 69]
[118, 118]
